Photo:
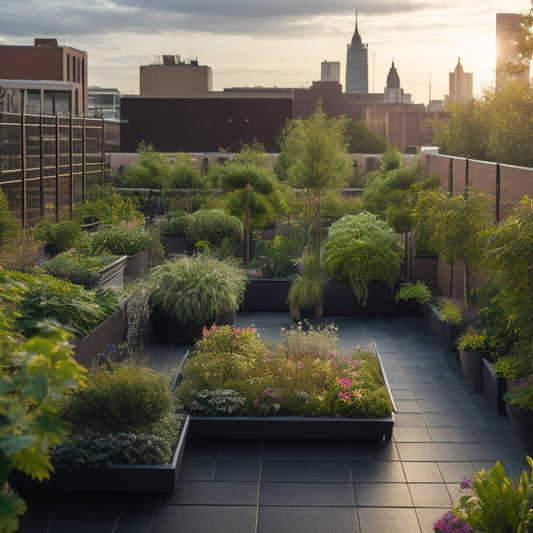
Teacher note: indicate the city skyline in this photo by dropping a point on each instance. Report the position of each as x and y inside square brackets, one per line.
[279, 43]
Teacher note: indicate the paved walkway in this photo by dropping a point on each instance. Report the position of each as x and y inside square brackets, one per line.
[442, 433]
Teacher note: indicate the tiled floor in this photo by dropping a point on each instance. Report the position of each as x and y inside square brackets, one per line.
[442, 433]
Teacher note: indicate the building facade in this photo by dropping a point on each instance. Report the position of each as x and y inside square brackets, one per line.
[507, 27]
[461, 84]
[393, 93]
[175, 79]
[104, 103]
[330, 71]
[47, 61]
[356, 64]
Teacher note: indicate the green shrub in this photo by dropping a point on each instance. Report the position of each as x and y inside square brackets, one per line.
[217, 402]
[62, 234]
[451, 311]
[276, 258]
[214, 225]
[8, 227]
[471, 340]
[518, 363]
[197, 289]
[76, 268]
[362, 249]
[175, 225]
[418, 291]
[130, 398]
[124, 240]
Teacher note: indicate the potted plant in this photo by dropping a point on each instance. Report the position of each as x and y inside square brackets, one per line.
[273, 268]
[446, 322]
[187, 293]
[366, 253]
[472, 346]
[173, 231]
[411, 296]
[306, 293]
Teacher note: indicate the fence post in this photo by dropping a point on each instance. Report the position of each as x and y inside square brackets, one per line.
[58, 168]
[23, 164]
[103, 151]
[84, 164]
[467, 177]
[71, 166]
[41, 165]
[497, 194]
[450, 177]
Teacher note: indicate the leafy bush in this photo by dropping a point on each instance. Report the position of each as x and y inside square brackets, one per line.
[418, 291]
[295, 378]
[62, 234]
[130, 398]
[217, 403]
[517, 364]
[472, 341]
[214, 225]
[521, 394]
[307, 289]
[8, 227]
[276, 258]
[175, 225]
[91, 449]
[450, 311]
[76, 268]
[197, 289]
[496, 504]
[125, 240]
[47, 298]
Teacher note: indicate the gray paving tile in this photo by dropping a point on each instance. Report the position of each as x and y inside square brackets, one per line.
[307, 519]
[430, 495]
[430, 406]
[308, 449]
[402, 394]
[420, 451]
[336, 471]
[235, 470]
[422, 472]
[370, 451]
[223, 449]
[447, 434]
[455, 471]
[378, 471]
[489, 452]
[205, 519]
[428, 516]
[374, 519]
[411, 434]
[475, 434]
[307, 494]
[192, 470]
[409, 419]
[406, 406]
[213, 493]
[382, 495]
[437, 420]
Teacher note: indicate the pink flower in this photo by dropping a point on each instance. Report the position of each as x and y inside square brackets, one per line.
[344, 382]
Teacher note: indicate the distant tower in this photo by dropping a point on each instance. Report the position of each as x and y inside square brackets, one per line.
[330, 71]
[507, 27]
[357, 64]
[393, 92]
[461, 84]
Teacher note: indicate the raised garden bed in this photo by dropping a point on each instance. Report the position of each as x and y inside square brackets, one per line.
[137, 265]
[116, 478]
[267, 295]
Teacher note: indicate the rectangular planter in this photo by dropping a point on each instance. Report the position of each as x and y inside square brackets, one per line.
[494, 387]
[137, 265]
[295, 427]
[109, 332]
[291, 427]
[112, 275]
[445, 333]
[340, 300]
[177, 245]
[267, 295]
[116, 478]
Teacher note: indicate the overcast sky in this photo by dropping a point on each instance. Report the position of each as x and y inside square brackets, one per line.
[270, 42]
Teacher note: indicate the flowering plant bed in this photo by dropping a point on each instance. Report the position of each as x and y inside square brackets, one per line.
[114, 478]
[234, 386]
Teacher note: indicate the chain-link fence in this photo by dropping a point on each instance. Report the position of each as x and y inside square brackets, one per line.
[48, 163]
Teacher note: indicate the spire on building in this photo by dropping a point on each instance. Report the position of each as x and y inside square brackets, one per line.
[393, 80]
[356, 64]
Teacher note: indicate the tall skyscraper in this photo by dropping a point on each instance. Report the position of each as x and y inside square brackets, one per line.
[330, 71]
[461, 84]
[507, 27]
[356, 64]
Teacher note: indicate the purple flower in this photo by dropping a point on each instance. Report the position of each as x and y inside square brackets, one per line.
[449, 523]
[466, 484]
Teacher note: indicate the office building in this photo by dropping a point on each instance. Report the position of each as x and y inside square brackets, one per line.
[461, 84]
[330, 71]
[356, 64]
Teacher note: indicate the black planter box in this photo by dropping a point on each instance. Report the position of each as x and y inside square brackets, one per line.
[177, 245]
[494, 387]
[267, 295]
[340, 300]
[291, 427]
[167, 328]
[137, 265]
[445, 333]
[116, 478]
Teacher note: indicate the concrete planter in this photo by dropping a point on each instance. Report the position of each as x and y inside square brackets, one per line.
[494, 387]
[522, 421]
[112, 275]
[116, 478]
[304, 313]
[445, 333]
[267, 295]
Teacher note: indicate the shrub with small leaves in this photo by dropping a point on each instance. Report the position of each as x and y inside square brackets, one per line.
[218, 402]
[213, 226]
